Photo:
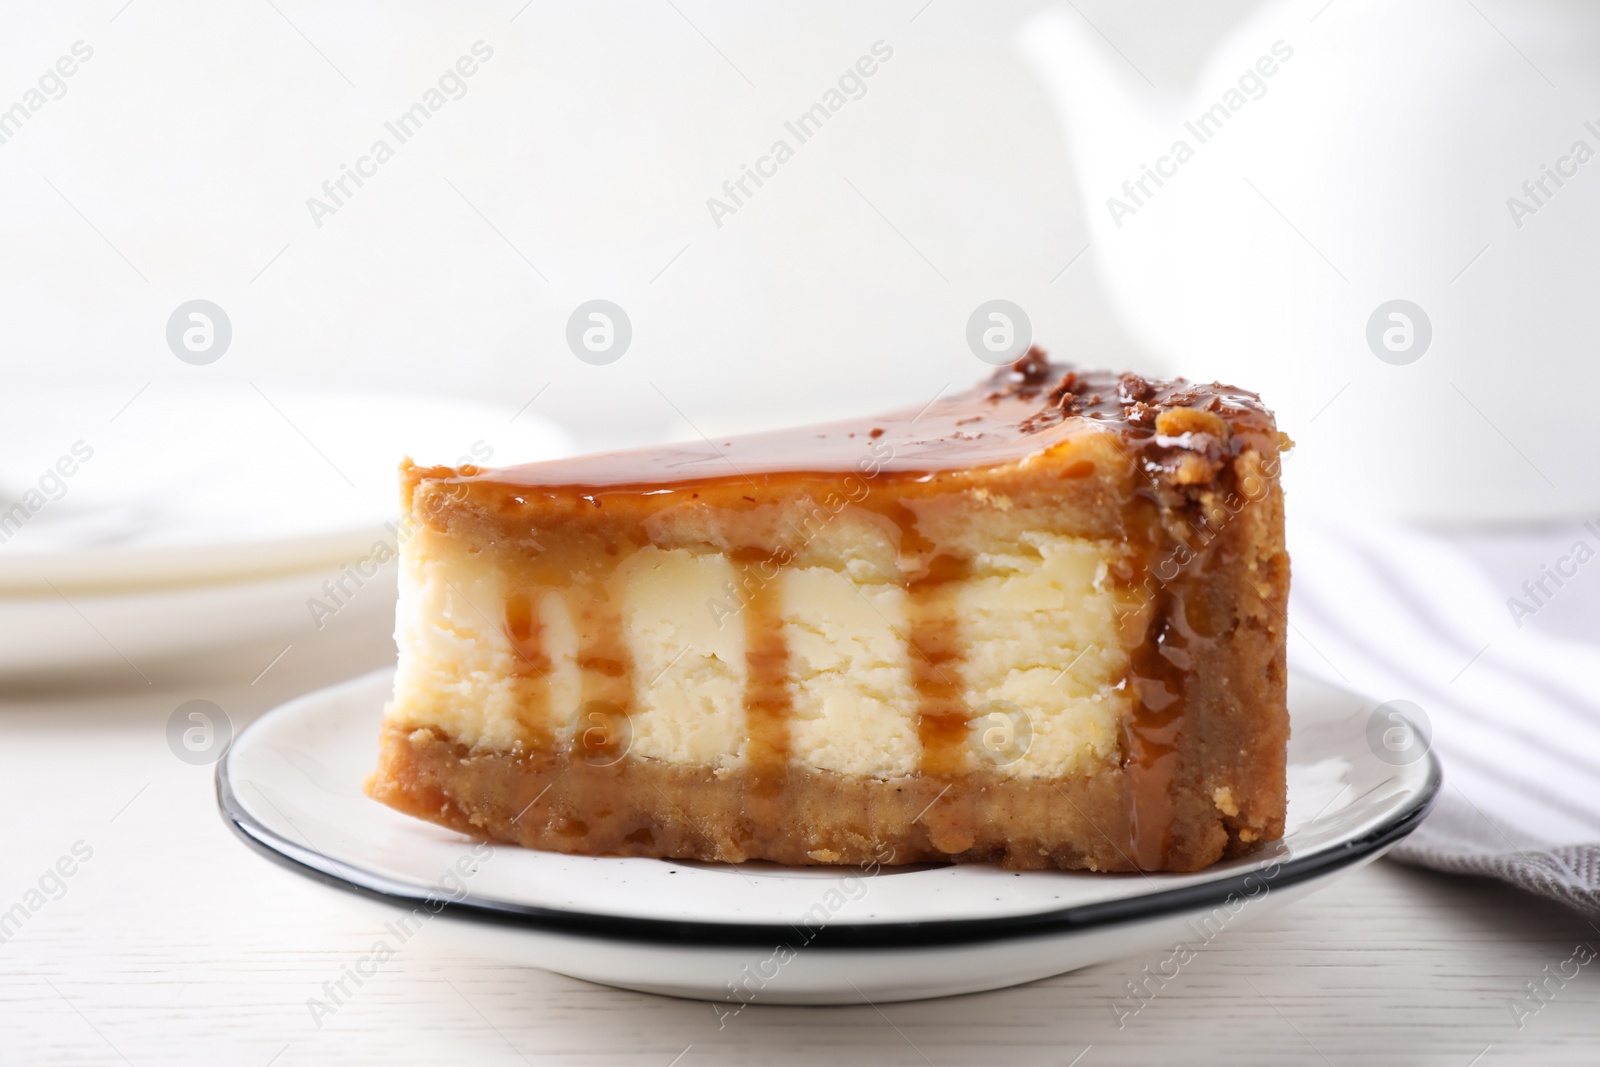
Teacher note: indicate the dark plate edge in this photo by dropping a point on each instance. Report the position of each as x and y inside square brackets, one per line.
[1247, 885]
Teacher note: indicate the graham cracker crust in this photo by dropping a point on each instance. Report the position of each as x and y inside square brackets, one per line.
[640, 807]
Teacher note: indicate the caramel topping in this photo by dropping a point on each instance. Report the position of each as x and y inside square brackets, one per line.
[1026, 408]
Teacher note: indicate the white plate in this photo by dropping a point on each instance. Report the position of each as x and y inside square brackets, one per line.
[60, 634]
[291, 787]
[182, 483]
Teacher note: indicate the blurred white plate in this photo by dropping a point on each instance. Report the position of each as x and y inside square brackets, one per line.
[291, 787]
[181, 483]
[150, 630]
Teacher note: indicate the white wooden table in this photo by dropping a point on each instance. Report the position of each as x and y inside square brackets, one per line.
[173, 942]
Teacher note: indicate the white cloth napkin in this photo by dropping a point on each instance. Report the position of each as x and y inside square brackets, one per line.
[1507, 674]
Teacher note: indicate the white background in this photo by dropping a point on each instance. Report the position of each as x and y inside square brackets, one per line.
[591, 141]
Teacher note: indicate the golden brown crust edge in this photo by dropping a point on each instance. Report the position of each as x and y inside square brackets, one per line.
[1236, 727]
[647, 808]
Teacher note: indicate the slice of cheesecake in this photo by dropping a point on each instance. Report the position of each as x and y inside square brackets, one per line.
[1039, 623]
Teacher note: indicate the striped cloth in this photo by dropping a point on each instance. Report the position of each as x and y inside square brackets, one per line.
[1496, 637]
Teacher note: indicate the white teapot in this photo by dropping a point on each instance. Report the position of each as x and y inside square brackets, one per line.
[1382, 216]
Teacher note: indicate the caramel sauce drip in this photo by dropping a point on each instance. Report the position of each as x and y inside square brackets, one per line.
[602, 733]
[937, 649]
[532, 666]
[1157, 672]
[584, 570]
[1167, 576]
[526, 634]
[768, 703]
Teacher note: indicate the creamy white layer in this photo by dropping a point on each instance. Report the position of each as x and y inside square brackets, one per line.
[1038, 622]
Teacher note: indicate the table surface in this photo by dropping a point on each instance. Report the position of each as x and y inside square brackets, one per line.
[174, 942]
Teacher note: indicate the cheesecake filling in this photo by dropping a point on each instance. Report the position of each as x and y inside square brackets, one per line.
[1029, 676]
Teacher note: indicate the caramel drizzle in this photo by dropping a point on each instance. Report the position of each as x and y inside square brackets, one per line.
[601, 732]
[1160, 660]
[525, 632]
[606, 692]
[943, 715]
[1149, 736]
[768, 701]
[937, 650]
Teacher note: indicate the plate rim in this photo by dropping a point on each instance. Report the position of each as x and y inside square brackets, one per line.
[1074, 918]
